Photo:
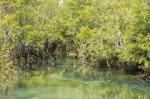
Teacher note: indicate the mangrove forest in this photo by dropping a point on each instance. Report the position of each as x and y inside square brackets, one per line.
[74, 49]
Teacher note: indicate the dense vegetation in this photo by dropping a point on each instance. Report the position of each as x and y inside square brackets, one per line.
[103, 33]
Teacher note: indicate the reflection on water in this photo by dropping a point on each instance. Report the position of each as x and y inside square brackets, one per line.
[8, 77]
[66, 82]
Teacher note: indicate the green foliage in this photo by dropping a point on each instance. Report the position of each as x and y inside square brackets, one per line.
[110, 33]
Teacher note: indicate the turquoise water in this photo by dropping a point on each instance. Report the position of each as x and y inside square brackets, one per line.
[69, 82]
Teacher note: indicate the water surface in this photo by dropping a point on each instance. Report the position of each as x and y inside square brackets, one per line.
[68, 82]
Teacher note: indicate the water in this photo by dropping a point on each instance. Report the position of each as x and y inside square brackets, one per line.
[68, 82]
